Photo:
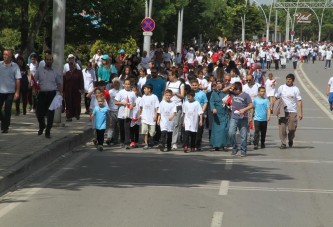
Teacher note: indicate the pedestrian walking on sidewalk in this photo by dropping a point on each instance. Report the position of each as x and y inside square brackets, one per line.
[50, 82]
[10, 76]
[291, 96]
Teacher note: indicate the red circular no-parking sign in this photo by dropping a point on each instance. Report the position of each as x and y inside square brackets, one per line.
[148, 24]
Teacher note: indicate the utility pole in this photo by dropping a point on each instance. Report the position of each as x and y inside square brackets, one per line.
[180, 30]
[276, 22]
[287, 26]
[58, 42]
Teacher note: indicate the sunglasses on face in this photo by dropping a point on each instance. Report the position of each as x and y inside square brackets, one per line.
[248, 80]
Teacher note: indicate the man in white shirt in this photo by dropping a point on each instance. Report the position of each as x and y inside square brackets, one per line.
[291, 96]
[328, 58]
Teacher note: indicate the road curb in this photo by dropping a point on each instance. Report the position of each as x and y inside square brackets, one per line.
[49, 153]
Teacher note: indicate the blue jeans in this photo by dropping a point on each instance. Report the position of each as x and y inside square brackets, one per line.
[241, 125]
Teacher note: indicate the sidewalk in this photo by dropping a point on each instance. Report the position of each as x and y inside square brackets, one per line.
[23, 151]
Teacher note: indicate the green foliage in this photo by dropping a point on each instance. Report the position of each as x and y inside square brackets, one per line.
[10, 38]
[129, 45]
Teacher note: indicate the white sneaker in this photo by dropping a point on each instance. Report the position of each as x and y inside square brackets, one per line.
[174, 147]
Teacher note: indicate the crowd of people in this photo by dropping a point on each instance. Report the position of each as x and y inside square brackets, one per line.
[169, 98]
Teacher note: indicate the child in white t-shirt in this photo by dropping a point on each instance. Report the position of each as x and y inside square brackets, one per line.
[192, 112]
[167, 111]
[125, 99]
[270, 86]
[203, 83]
[148, 113]
[135, 122]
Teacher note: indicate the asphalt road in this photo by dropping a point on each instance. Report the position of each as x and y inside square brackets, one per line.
[270, 187]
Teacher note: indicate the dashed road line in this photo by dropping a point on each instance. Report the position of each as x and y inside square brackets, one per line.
[271, 189]
[224, 187]
[228, 164]
[217, 219]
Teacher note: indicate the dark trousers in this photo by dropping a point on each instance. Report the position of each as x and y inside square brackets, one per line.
[157, 135]
[268, 64]
[100, 136]
[200, 133]
[295, 64]
[44, 100]
[24, 97]
[189, 135]
[134, 133]
[260, 129]
[276, 61]
[5, 115]
[124, 128]
[86, 102]
[166, 138]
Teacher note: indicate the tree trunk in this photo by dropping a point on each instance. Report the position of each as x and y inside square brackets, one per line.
[24, 24]
[36, 24]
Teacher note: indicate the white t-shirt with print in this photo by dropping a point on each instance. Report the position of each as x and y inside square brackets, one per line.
[328, 55]
[175, 88]
[192, 111]
[141, 82]
[148, 104]
[290, 95]
[166, 110]
[251, 91]
[125, 96]
[202, 83]
[113, 93]
[270, 87]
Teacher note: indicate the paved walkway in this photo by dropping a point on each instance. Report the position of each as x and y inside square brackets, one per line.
[22, 151]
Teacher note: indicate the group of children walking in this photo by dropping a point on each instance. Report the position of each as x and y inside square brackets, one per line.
[131, 112]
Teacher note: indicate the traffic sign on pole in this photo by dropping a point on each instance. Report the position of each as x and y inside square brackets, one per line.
[148, 24]
[292, 33]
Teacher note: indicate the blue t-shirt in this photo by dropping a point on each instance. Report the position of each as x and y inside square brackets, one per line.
[201, 97]
[260, 106]
[158, 87]
[100, 115]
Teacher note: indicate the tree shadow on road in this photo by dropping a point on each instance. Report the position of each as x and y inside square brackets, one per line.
[132, 170]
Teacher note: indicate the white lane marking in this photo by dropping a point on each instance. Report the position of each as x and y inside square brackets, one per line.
[27, 193]
[286, 161]
[228, 164]
[268, 189]
[300, 128]
[217, 219]
[309, 92]
[224, 187]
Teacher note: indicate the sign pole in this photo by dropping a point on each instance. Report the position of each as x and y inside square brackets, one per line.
[147, 37]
